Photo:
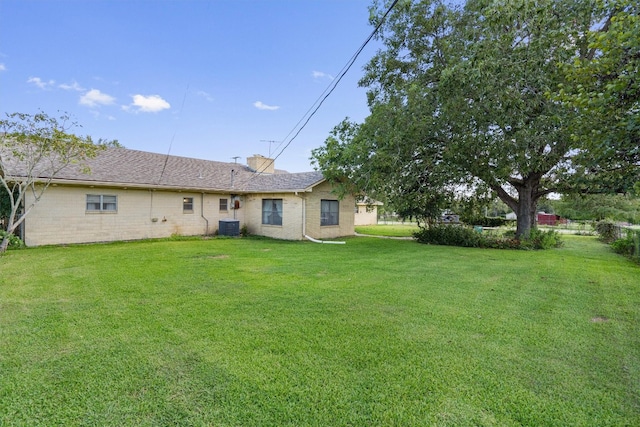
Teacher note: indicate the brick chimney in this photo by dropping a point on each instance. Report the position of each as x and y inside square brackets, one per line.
[261, 164]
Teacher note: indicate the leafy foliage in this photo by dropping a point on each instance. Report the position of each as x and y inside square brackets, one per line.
[469, 100]
[617, 207]
[33, 149]
[628, 245]
[5, 206]
[14, 242]
[486, 221]
[602, 84]
[541, 239]
[607, 230]
[454, 235]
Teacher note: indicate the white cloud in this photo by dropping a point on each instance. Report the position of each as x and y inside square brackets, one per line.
[320, 75]
[261, 106]
[41, 83]
[71, 86]
[148, 104]
[204, 95]
[94, 98]
[3, 67]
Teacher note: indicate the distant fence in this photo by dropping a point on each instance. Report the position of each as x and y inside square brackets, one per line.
[621, 231]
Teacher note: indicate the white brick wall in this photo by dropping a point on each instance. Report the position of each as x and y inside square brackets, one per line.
[61, 216]
[366, 215]
[346, 214]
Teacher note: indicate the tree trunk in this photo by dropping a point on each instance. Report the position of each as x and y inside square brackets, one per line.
[526, 217]
[4, 244]
[527, 207]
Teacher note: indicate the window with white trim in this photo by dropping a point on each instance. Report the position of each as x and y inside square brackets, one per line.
[272, 211]
[187, 205]
[102, 203]
[224, 205]
[329, 212]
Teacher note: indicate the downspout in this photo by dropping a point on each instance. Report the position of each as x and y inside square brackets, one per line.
[151, 204]
[206, 231]
[323, 241]
[304, 214]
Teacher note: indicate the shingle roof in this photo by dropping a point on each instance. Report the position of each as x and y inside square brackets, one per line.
[121, 166]
[284, 182]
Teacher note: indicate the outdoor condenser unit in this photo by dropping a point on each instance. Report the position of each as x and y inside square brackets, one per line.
[229, 227]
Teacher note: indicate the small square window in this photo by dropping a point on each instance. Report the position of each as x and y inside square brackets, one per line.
[187, 205]
[93, 202]
[109, 203]
[224, 204]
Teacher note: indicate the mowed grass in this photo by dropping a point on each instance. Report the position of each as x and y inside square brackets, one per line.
[377, 332]
[388, 230]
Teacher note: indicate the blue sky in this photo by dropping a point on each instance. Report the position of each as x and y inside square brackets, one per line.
[208, 79]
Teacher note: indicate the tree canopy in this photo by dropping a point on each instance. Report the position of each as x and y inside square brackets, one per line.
[490, 97]
[615, 207]
[33, 149]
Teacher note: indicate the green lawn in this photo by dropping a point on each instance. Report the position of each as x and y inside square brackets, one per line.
[388, 230]
[377, 332]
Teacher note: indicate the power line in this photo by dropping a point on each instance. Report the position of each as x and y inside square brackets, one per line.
[173, 137]
[325, 94]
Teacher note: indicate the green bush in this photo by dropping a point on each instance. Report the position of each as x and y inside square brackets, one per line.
[14, 241]
[454, 235]
[486, 221]
[629, 245]
[624, 246]
[540, 239]
[607, 230]
[451, 235]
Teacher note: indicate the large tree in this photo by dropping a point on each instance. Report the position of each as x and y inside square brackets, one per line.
[603, 85]
[33, 149]
[466, 99]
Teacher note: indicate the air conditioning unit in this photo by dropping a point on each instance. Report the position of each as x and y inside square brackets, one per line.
[228, 227]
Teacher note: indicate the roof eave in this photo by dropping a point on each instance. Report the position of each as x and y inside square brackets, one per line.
[143, 186]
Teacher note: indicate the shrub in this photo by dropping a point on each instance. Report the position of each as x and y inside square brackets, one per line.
[629, 245]
[14, 241]
[451, 235]
[464, 236]
[607, 230]
[486, 221]
[540, 239]
[624, 246]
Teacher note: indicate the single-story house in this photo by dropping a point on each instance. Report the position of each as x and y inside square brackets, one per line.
[366, 212]
[131, 195]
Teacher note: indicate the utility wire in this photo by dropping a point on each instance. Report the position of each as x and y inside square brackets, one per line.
[166, 159]
[324, 95]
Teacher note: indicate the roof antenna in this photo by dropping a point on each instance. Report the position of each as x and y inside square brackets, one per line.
[235, 159]
[269, 141]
